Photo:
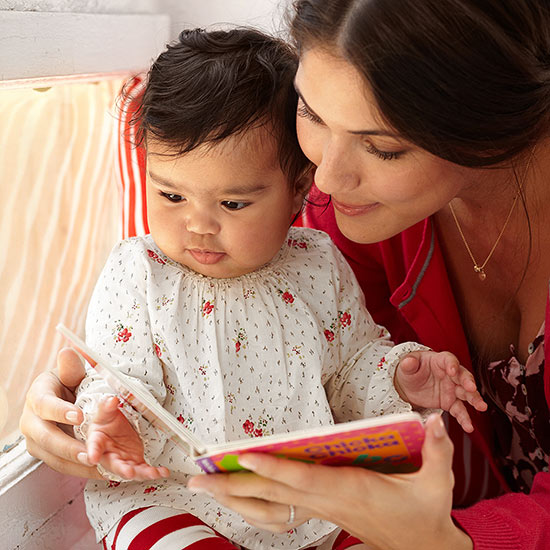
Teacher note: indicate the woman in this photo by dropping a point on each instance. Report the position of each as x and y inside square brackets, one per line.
[428, 121]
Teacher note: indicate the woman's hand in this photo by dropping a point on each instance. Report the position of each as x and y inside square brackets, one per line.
[48, 414]
[387, 512]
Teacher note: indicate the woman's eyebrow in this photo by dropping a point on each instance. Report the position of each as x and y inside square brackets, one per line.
[304, 101]
[375, 132]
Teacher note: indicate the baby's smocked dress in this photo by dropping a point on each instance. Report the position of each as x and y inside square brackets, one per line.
[287, 347]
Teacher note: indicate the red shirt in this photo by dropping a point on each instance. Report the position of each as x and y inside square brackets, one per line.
[407, 290]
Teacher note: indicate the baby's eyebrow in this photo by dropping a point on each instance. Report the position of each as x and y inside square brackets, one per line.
[162, 181]
[243, 189]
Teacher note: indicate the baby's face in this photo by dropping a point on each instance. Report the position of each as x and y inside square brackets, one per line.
[222, 211]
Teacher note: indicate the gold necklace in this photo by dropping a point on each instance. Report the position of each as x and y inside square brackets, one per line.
[480, 269]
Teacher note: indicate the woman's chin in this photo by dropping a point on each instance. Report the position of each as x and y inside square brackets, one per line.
[361, 229]
[372, 227]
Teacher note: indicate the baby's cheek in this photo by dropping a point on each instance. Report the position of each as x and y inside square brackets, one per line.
[256, 252]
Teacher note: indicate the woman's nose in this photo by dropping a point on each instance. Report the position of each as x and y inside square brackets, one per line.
[335, 173]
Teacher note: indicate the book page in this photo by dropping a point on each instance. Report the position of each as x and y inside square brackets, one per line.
[138, 398]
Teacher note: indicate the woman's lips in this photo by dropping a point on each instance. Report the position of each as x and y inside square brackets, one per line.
[206, 257]
[352, 209]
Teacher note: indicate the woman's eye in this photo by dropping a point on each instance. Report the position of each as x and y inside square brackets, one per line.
[384, 155]
[172, 198]
[304, 112]
[234, 205]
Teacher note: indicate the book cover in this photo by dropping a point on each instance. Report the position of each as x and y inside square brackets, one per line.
[388, 444]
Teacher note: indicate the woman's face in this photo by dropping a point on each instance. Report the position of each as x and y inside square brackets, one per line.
[380, 184]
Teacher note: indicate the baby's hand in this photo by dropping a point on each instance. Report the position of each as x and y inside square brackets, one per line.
[437, 380]
[113, 443]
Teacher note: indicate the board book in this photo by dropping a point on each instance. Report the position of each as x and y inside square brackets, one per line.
[390, 443]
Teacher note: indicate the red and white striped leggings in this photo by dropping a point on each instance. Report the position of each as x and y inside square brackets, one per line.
[159, 528]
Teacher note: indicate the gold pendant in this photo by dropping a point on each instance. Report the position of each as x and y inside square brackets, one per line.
[480, 273]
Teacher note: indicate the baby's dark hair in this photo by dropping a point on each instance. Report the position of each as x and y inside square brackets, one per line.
[210, 85]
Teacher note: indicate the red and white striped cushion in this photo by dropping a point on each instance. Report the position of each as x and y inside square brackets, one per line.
[130, 171]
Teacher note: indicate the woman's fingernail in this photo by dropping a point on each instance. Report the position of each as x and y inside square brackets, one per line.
[439, 428]
[83, 458]
[72, 416]
[247, 462]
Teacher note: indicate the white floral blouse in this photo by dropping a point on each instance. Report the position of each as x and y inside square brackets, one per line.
[287, 347]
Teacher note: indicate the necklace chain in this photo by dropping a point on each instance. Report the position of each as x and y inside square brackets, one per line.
[480, 269]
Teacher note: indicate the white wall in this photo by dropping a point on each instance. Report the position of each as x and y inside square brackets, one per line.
[265, 14]
[44, 38]
[82, 6]
[54, 44]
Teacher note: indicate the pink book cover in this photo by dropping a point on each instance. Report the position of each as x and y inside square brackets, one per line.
[388, 444]
[390, 447]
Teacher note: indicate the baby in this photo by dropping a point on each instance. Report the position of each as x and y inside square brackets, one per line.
[237, 323]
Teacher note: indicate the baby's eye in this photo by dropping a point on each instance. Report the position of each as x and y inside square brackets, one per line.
[234, 205]
[172, 198]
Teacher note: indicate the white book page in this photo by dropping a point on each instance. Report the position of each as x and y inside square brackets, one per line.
[137, 397]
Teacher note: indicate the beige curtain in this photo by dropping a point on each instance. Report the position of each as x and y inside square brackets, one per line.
[59, 219]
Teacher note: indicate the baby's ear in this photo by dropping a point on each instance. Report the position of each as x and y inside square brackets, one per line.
[302, 187]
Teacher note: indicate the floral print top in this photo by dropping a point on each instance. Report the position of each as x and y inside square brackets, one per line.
[519, 414]
[287, 347]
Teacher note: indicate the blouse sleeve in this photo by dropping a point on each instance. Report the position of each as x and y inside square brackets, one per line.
[118, 328]
[362, 384]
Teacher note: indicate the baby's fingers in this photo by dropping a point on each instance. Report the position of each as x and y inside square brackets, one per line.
[107, 410]
[95, 446]
[458, 410]
[467, 390]
[452, 365]
[465, 379]
[472, 397]
[144, 471]
[129, 469]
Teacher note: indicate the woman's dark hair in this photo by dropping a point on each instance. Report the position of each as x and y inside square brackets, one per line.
[467, 80]
[209, 85]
